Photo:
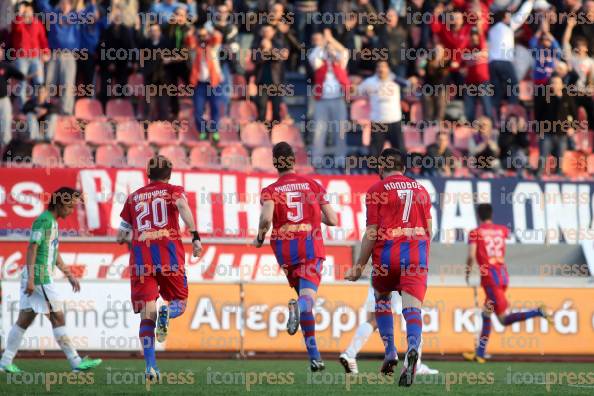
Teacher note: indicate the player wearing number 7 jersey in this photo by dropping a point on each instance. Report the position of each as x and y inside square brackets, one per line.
[397, 239]
[295, 206]
[487, 248]
[157, 258]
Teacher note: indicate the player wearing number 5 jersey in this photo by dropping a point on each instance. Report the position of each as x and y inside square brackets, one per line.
[397, 239]
[487, 248]
[295, 206]
[157, 258]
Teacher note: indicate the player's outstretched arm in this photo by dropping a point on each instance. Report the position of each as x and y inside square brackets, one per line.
[73, 281]
[367, 244]
[329, 216]
[470, 261]
[265, 222]
[186, 214]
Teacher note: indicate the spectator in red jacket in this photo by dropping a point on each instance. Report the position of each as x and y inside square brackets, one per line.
[476, 70]
[29, 49]
[452, 30]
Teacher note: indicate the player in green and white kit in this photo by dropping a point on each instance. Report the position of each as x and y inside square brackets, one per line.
[39, 293]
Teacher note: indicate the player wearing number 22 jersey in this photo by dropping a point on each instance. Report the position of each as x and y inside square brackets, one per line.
[296, 206]
[487, 248]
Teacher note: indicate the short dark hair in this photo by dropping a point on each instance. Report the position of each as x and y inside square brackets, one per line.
[283, 156]
[484, 211]
[159, 168]
[63, 196]
[391, 159]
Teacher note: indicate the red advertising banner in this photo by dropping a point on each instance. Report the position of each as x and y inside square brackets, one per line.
[221, 262]
[225, 204]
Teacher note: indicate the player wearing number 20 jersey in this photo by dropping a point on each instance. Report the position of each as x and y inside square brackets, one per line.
[157, 255]
[150, 224]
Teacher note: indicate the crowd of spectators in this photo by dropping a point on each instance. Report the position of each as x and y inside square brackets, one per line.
[434, 69]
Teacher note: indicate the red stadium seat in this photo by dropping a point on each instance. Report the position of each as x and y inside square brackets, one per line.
[68, 130]
[430, 134]
[262, 159]
[46, 155]
[255, 134]
[177, 155]
[161, 133]
[138, 156]
[243, 111]
[302, 161]
[136, 83]
[228, 132]
[110, 156]
[188, 135]
[129, 133]
[78, 155]
[120, 109]
[235, 157]
[88, 109]
[204, 156]
[412, 136]
[99, 132]
[286, 133]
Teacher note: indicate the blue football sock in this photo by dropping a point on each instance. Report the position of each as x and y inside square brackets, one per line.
[385, 323]
[484, 338]
[176, 308]
[520, 316]
[146, 334]
[414, 327]
[308, 326]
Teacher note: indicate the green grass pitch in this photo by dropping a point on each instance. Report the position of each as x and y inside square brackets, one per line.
[292, 377]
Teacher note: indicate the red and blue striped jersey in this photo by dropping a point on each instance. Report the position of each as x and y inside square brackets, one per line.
[490, 253]
[296, 224]
[401, 209]
[151, 215]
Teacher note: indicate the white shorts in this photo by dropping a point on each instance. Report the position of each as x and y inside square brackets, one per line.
[396, 301]
[43, 300]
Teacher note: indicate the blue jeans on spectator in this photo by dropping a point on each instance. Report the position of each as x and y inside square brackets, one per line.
[226, 87]
[470, 103]
[554, 144]
[5, 120]
[330, 118]
[29, 67]
[61, 72]
[204, 92]
[505, 81]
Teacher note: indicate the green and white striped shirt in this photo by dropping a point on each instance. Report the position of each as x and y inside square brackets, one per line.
[45, 234]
